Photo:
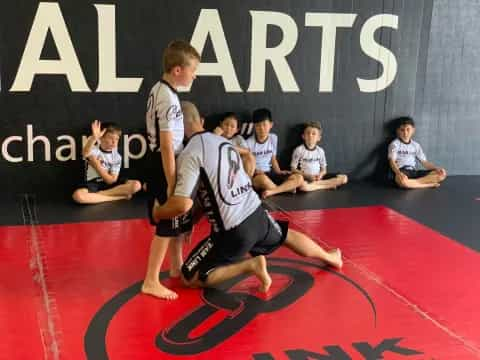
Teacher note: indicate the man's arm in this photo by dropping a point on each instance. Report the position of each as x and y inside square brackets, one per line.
[174, 206]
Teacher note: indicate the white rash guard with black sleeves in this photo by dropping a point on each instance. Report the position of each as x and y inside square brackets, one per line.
[405, 155]
[224, 189]
[309, 161]
[263, 152]
[111, 161]
[164, 114]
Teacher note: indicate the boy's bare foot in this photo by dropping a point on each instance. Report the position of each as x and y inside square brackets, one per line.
[335, 258]
[260, 270]
[267, 193]
[342, 179]
[159, 291]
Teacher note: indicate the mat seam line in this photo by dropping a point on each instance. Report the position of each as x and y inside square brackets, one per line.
[50, 344]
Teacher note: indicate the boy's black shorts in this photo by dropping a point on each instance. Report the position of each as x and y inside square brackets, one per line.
[98, 184]
[277, 179]
[258, 234]
[157, 190]
[329, 176]
[411, 172]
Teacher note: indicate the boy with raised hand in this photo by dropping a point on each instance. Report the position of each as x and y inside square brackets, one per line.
[103, 164]
[403, 154]
[164, 120]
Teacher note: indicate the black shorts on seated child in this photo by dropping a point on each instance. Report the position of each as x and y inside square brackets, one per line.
[98, 184]
[411, 172]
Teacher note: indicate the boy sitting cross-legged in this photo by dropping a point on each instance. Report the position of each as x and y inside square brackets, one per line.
[309, 160]
[402, 155]
[268, 176]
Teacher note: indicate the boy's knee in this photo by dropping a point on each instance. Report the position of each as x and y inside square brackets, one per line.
[401, 182]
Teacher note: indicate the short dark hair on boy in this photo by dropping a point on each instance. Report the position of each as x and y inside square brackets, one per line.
[230, 115]
[312, 124]
[178, 53]
[111, 127]
[405, 120]
[260, 115]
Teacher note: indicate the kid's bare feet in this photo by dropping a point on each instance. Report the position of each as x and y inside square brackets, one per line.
[335, 258]
[267, 193]
[159, 291]
[260, 270]
[342, 179]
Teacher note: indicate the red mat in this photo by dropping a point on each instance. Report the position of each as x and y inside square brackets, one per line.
[71, 292]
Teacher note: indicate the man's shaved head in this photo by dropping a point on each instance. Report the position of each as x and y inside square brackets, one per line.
[192, 120]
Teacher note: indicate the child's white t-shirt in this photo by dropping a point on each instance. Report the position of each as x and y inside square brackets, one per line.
[405, 154]
[263, 152]
[309, 161]
[111, 161]
[164, 113]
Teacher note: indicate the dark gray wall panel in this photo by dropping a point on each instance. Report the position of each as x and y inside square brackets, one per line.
[448, 116]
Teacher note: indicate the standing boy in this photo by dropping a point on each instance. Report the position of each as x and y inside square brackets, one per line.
[164, 120]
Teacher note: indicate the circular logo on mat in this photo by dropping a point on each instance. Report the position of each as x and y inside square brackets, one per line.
[229, 321]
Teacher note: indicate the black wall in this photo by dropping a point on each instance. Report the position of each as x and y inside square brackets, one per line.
[435, 47]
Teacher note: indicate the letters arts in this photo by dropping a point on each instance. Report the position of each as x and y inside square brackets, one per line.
[49, 18]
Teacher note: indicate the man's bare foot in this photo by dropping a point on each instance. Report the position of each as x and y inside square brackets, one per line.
[260, 270]
[160, 291]
[335, 258]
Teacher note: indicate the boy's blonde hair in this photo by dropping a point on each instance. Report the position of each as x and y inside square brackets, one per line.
[178, 53]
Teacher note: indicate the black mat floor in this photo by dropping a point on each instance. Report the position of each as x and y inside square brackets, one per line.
[452, 209]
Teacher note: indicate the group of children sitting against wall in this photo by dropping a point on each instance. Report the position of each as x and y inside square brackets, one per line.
[308, 166]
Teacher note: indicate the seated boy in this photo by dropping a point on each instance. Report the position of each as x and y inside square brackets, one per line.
[402, 155]
[228, 128]
[263, 146]
[103, 163]
[309, 160]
